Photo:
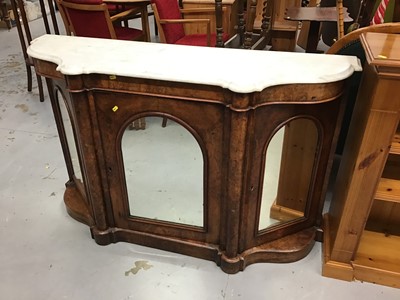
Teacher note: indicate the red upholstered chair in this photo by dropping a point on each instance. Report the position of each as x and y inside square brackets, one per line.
[170, 23]
[91, 18]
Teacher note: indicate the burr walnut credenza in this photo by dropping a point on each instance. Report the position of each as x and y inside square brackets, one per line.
[233, 162]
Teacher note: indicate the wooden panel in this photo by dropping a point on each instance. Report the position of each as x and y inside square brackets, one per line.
[388, 190]
[384, 217]
[366, 171]
[384, 91]
[298, 155]
[284, 32]
[378, 259]
[395, 149]
[228, 19]
[383, 49]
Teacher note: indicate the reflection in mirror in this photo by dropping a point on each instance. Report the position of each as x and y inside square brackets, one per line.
[164, 173]
[289, 164]
[69, 134]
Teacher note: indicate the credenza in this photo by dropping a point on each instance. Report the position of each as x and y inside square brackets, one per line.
[222, 141]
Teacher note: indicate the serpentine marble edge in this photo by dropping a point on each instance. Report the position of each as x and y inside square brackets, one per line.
[241, 71]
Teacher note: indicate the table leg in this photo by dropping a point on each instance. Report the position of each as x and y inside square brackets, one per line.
[313, 37]
[145, 23]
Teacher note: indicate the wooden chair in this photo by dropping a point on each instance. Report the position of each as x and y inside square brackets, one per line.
[141, 13]
[350, 45]
[91, 18]
[170, 24]
[25, 37]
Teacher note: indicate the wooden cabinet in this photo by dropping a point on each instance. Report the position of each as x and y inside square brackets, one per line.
[229, 19]
[231, 124]
[362, 236]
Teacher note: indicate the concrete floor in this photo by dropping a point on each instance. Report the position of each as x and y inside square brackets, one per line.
[45, 254]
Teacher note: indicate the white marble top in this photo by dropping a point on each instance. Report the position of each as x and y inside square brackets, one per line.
[241, 71]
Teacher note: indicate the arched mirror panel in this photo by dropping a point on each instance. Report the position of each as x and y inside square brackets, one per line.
[164, 172]
[69, 137]
[289, 164]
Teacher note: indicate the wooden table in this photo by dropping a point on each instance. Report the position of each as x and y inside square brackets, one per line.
[315, 15]
[231, 119]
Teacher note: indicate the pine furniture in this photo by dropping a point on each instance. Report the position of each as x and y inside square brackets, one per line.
[362, 236]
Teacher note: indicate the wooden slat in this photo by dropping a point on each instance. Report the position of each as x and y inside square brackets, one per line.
[395, 149]
[378, 259]
[388, 190]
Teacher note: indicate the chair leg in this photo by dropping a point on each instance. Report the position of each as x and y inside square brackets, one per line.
[29, 74]
[40, 87]
[155, 28]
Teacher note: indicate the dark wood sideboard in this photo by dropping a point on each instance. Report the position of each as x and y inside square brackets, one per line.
[232, 121]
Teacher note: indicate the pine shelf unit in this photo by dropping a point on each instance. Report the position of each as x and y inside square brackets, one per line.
[362, 227]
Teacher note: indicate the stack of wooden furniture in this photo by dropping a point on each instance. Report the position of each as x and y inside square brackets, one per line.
[362, 228]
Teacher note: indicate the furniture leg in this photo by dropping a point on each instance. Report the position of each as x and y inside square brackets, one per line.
[313, 37]
[40, 87]
[29, 74]
[145, 23]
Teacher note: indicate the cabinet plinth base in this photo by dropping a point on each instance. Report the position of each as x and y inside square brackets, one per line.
[375, 260]
[76, 205]
[284, 250]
